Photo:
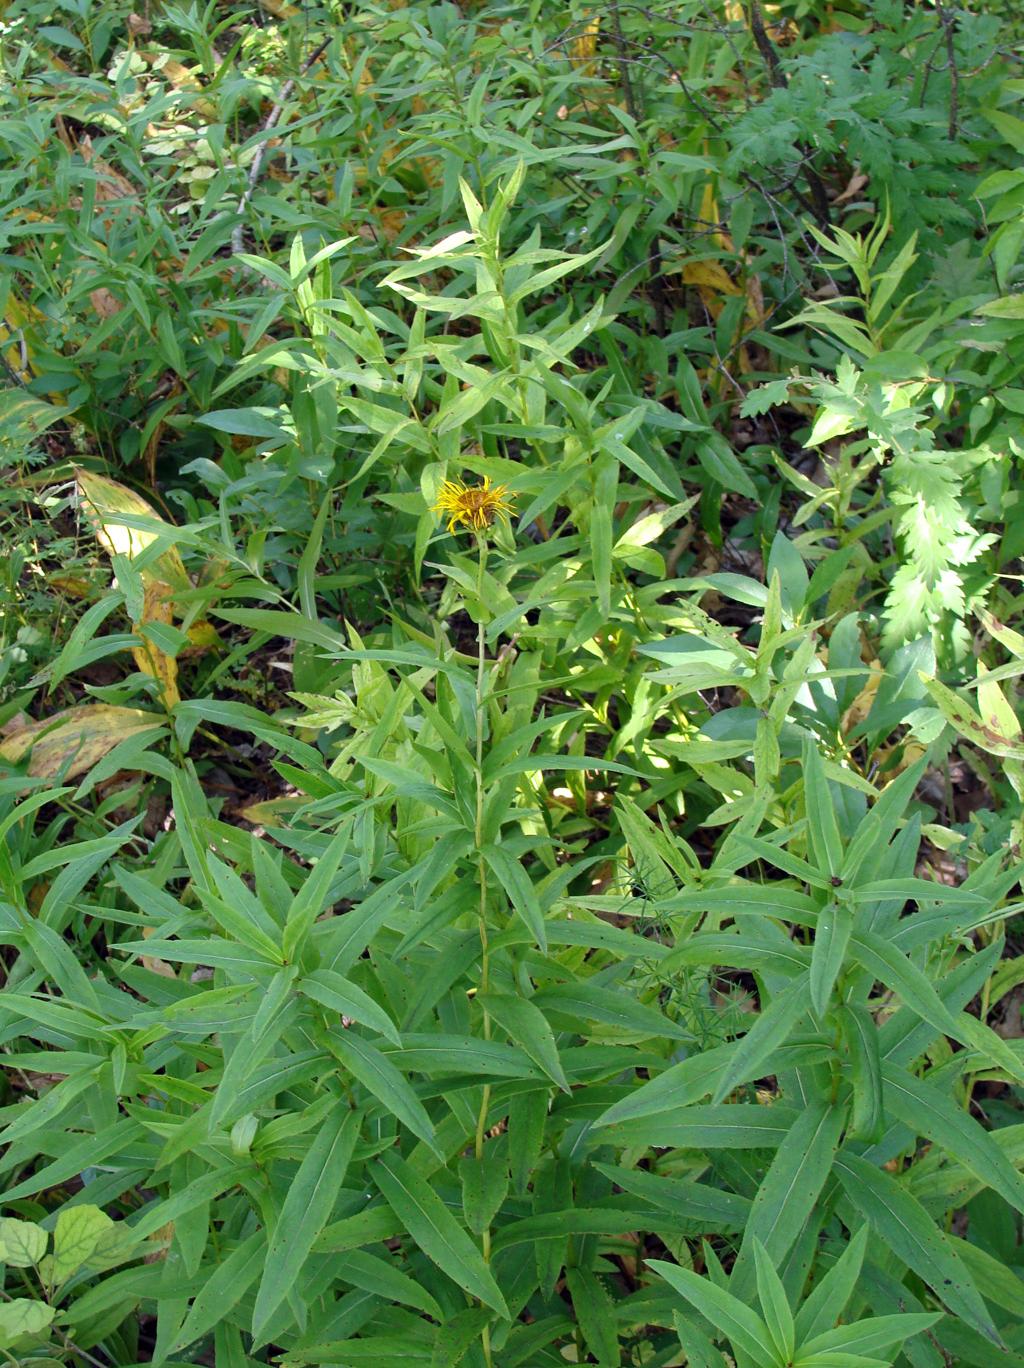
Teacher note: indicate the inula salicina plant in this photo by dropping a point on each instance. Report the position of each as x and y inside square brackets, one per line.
[510, 745]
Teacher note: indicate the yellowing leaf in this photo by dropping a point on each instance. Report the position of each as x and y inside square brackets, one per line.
[154, 963]
[988, 732]
[995, 710]
[75, 586]
[863, 703]
[22, 1243]
[583, 48]
[78, 1231]
[1013, 641]
[709, 276]
[111, 186]
[78, 737]
[23, 1317]
[107, 504]
[202, 636]
[156, 607]
[15, 324]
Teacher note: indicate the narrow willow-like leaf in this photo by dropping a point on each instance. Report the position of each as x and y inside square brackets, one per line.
[307, 1209]
[746, 1331]
[790, 1189]
[380, 1077]
[435, 1229]
[771, 1029]
[900, 1220]
[927, 1111]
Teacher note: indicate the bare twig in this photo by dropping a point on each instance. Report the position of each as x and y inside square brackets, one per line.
[765, 46]
[948, 21]
[237, 234]
[627, 84]
[819, 199]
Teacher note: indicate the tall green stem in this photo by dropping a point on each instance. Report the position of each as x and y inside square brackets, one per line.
[485, 1100]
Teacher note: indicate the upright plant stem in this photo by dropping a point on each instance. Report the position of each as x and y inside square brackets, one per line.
[485, 1100]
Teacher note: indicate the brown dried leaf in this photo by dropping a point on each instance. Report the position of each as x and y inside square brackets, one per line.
[77, 737]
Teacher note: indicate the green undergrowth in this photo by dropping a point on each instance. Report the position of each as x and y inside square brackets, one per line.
[581, 932]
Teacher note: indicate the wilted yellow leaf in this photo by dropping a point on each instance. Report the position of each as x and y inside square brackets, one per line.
[997, 731]
[105, 303]
[76, 586]
[711, 279]
[202, 636]
[583, 48]
[76, 737]
[156, 607]
[110, 184]
[14, 325]
[862, 704]
[107, 504]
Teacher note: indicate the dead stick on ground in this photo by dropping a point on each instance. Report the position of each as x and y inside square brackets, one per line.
[261, 152]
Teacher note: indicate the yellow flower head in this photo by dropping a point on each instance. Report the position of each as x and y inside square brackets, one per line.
[475, 505]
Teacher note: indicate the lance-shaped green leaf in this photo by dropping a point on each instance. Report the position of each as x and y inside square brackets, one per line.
[821, 817]
[595, 1314]
[224, 1286]
[874, 1336]
[516, 882]
[860, 1035]
[778, 1316]
[380, 1077]
[617, 1007]
[771, 1029]
[709, 1207]
[306, 1211]
[434, 1229]
[902, 1222]
[738, 1125]
[920, 1105]
[333, 991]
[790, 1189]
[828, 1300]
[831, 939]
[311, 898]
[384, 1279]
[527, 1027]
[747, 1332]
